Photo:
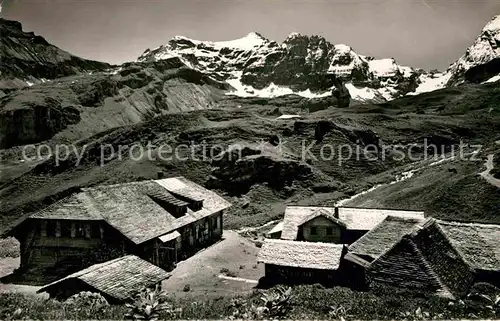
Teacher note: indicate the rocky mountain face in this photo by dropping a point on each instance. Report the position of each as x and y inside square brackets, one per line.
[256, 66]
[481, 60]
[26, 58]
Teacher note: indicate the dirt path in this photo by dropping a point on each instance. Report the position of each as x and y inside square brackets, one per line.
[403, 177]
[225, 277]
[486, 174]
[201, 272]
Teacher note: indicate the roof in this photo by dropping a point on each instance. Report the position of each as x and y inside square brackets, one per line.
[120, 278]
[383, 236]
[132, 209]
[295, 215]
[477, 243]
[75, 207]
[323, 256]
[367, 218]
[212, 202]
[169, 236]
[276, 229]
[425, 257]
[323, 213]
[363, 219]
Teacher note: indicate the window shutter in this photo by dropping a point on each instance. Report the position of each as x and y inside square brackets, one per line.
[73, 230]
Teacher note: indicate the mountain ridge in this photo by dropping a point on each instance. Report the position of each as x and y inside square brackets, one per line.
[252, 65]
[27, 58]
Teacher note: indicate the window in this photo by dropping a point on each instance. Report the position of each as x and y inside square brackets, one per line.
[95, 231]
[329, 231]
[314, 230]
[79, 230]
[65, 229]
[51, 228]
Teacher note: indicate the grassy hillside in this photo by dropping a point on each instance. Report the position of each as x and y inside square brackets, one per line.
[451, 190]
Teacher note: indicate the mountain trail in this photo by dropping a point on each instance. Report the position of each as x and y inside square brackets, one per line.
[486, 173]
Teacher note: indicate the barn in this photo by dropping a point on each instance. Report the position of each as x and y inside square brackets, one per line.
[424, 260]
[437, 256]
[161, 221]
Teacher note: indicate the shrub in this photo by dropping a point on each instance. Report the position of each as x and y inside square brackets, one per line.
[94, 302]
[277, 301]
[9, 247]
[149, 304]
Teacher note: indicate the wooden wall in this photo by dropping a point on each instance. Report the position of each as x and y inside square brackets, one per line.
[295, 275]
[321, 226]
[403, 267]
[42, 247]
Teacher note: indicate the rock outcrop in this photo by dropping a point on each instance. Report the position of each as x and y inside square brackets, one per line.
[241, 168]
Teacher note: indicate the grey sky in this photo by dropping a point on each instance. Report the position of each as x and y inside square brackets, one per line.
[420, 33]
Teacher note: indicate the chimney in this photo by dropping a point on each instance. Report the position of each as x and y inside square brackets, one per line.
[160, 174]
[336, 213]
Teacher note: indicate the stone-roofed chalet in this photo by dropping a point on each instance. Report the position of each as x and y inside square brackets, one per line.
[160, 221]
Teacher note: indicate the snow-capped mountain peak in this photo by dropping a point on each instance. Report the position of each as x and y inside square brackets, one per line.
[493, 25]
[300, 64]
[250, 41]
[484, 49]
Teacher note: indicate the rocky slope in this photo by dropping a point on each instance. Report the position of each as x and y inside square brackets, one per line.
[177, 95]
[76, 107]
[26, 58]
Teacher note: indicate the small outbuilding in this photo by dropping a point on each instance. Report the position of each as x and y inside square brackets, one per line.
[300, 262]
[382, 237]
[117, 280]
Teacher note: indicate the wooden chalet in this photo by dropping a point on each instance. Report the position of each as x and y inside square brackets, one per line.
[342, 225]
[161, 221]
[117, 280]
